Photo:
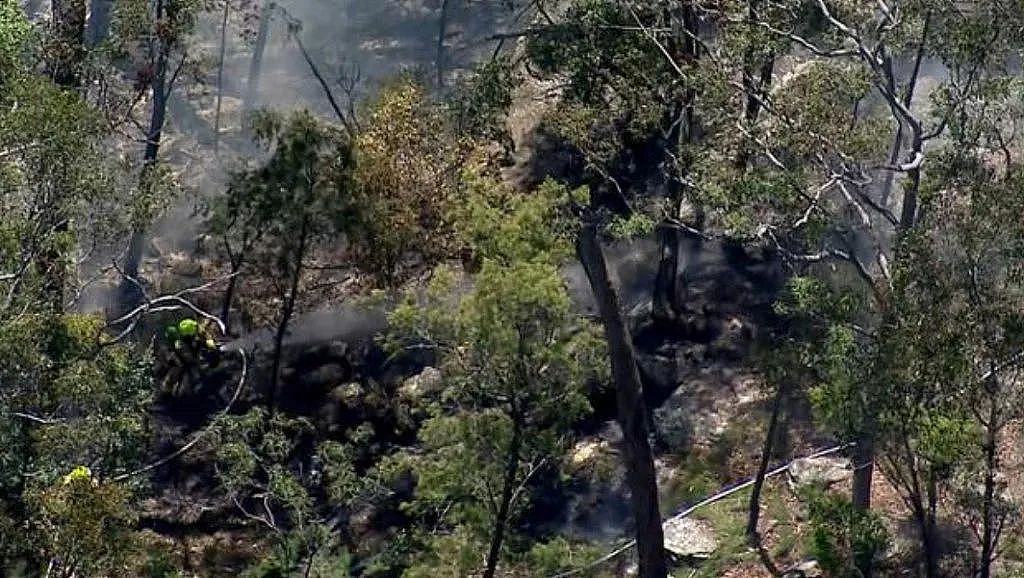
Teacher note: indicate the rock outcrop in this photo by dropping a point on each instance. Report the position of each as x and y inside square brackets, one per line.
[690, 538]
[821, 472]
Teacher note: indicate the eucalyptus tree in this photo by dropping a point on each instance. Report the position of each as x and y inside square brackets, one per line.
[954, 357]
[71, 396]
[278, 213]
[153, 37]
[515, 360]
[805, 124]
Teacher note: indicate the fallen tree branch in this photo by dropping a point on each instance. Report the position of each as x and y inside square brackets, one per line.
[171, 302]
[36, 419]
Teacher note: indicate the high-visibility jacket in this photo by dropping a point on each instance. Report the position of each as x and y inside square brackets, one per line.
[79, 473]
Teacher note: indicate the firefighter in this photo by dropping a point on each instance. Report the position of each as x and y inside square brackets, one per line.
[194, 337]
[192, 345]
[79, 473]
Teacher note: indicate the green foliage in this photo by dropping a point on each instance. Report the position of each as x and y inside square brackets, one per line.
[311, 552]
[93, 397]
[635, 226]
[261, 469]
[515, 362]
[59, 183]
[135, 27]
[843, 537]
[277, 214]
[85, 527]
[504, 226]
[590, 51]
[14, 30]
[560, 555]
[449, 555]
[807, 296]
[405, 182]
[481, 103]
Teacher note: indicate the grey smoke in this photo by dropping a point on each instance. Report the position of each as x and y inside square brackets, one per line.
[633, 265]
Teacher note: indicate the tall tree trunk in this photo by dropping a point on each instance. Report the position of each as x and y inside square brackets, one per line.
[287, 310]
[512, 458]
[863, 476]
[766, 453]
[98, 27]
[156, 126]
[683, 123]
[666, 283]
[929, 535]
[909, 213]
[220, 74]
[988, 516]
[442, 31]
[864, 453]
[908, 97]
[632, 413]
[863, 472]
[764, 81]
[136, 245]
[256, 64]
[756, 90]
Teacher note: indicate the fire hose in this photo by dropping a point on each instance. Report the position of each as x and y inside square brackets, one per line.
[723, 493]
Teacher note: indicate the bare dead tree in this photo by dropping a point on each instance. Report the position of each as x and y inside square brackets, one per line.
[220, 73]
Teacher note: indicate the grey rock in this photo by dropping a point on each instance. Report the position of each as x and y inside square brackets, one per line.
[690, 538]
[426, 382]
[349, 394]
[824, 471]
[807, 569]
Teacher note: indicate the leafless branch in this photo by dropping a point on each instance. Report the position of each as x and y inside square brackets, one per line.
[814, 203]
[807, 44]
[37, 419]
[171, 302]
[261, 519]
[174, 76]
[294, 32]
[863, 214]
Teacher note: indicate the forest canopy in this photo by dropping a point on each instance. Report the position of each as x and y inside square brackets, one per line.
[518, 288]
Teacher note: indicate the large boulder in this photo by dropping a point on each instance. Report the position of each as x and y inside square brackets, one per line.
[689, 538]
[426, 382]
[821, 472]
[806, 569]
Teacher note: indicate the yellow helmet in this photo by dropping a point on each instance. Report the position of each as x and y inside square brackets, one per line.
[79, 473]
[188, 327]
